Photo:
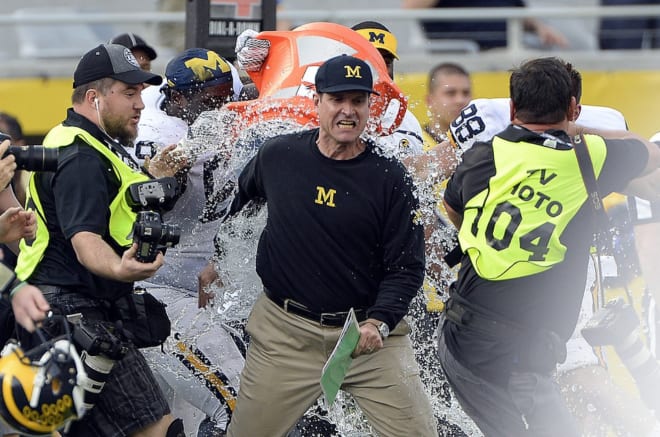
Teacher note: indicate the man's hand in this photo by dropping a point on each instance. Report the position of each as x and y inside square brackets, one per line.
[251, 52]
[548, 35]
[99, 258]
[16, 223]
[7, 165]
[206, 278]
[370, 340]
[167, 162]
[29, 306]
[131, 270]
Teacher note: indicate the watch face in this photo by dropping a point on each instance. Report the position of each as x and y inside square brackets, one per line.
[384, 330]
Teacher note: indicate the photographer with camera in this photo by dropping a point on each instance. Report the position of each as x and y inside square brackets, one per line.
[526, 224]
[83, 257]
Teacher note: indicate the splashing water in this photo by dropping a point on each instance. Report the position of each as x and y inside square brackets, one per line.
[236, 139]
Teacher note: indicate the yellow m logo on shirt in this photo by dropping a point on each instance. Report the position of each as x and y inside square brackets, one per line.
[353, 71]
[325, 197]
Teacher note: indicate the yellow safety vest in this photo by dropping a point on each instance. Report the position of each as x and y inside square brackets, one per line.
[513, 227]
[121, 216]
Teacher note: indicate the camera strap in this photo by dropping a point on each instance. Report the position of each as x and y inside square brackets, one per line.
[118, 149]
[601, 219]
[590, 182]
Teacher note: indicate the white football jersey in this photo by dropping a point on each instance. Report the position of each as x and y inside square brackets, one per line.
[482, 119]
[407, 138]
[155, 125]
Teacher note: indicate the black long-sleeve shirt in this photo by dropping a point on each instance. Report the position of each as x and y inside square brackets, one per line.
[340, 233]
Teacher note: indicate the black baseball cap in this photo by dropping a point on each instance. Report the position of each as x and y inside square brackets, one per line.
[344, 73]
[114, 61]
[133, 41]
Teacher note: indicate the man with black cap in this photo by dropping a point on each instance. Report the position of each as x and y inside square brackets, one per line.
[142, 51]
[408, 139]
[341, 233]
[83, 258]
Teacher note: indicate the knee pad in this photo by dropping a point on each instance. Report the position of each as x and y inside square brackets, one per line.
[176, 429]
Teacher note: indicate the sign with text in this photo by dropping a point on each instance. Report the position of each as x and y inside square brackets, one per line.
[215, 24]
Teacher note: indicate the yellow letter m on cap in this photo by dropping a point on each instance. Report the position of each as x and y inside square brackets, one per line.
[353, 71]
[203, 68]
[377, 37]
[324, 197]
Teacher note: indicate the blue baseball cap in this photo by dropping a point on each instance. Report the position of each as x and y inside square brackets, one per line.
[344, 73]
[197, 68]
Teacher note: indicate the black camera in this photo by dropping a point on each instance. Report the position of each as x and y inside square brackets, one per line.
[98, 337]
[100, 344]
[616, 324]
[145, 149]
[32, 158]
[611, 325]
[150, 233]
[155, 194]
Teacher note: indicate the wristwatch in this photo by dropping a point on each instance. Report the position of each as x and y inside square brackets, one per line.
[384, 330]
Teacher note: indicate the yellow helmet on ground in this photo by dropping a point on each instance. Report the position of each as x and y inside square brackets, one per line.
[43, 395]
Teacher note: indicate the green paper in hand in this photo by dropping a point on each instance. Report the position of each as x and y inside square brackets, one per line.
[340, 359]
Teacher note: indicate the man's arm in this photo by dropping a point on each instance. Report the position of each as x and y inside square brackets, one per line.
[403, 255]
[29, 306]
[652, 148]
[419, 4]
[454, 217]
[99, 258]
[205, 279]
[439, 162]
[249, 186]
[548, 35]
[645, 187]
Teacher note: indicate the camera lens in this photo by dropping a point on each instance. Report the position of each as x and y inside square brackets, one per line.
[34, 158]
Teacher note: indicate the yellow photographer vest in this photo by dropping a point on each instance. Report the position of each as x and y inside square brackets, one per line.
[121, 216]
[513, 227]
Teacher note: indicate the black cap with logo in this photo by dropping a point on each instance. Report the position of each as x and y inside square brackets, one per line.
[344, 73]
[133, 41]
[114, 61]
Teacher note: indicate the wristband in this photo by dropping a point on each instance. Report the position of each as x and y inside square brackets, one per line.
[7, 280]
[16, 287]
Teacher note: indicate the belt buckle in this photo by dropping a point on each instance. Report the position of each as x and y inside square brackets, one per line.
[285, 305]
[323, 318]
[332, 319]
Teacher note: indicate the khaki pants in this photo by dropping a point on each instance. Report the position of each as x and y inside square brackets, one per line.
[280, 380]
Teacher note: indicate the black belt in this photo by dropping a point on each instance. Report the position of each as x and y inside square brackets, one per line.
[325, 319]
